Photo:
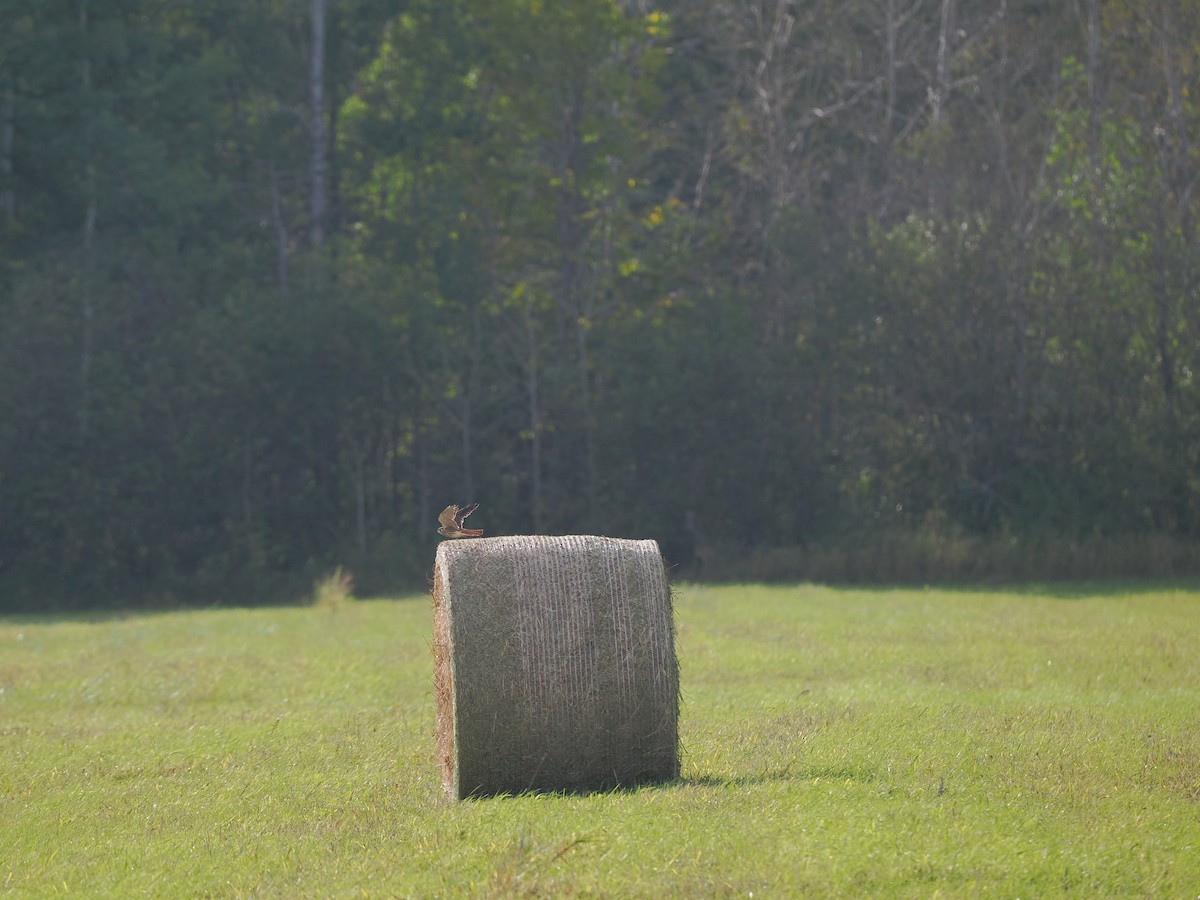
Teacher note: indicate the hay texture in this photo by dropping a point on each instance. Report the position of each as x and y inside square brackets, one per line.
[555, 665]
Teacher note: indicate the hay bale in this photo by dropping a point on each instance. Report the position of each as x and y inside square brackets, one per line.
[555, 665]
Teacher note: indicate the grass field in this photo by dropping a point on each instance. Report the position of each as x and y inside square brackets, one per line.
[835, 742]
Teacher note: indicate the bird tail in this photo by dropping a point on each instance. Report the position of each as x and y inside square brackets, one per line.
[472, 532]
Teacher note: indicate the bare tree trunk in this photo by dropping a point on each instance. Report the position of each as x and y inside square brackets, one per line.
[576, 278]
[333, 204]
[568, 206]
[939, 96]
[1095, 112]
[1170, 72]
[1173, 148]
[705, 169]
[281, 232]
[318, 163]
[1094, 64]
[1166, 359]
[1183, 176]
[360, 501]
[88, 303]
[941, 86]
[589, 424]
[8, 196]
[889, 112]
[469, 393]
[1020, 325]
[424, 490]
[89, 241]
[468, 468]
[248, 496]
[535, 419]
[774, 87]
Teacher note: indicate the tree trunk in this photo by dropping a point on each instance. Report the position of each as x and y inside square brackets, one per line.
[89, 236]
[318, 163]
[424, 490]
[468, 469]
[281, 233]
[1018, 303]
[938, 97]
[8, 196]
[1173, 149]
[941, 86]
[469, 393]
[87, 302]
[889, 112]
[574, 297]
[1094, 63]
[1166, 359]
[535, 420]
[589, 424]
[360, 501]
[248, 497]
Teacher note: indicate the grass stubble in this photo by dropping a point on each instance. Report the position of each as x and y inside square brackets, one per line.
[835, 742]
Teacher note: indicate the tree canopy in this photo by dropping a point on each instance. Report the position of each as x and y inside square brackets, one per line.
[279, 280]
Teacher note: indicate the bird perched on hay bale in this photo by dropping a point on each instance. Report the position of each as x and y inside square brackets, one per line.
[451, 521]
[554, 664]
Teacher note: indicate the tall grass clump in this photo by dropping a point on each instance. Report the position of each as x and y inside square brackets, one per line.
[334, 591]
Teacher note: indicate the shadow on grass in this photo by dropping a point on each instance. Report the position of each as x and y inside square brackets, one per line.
[858, 775]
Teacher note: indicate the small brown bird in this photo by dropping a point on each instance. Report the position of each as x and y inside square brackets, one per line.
[451, 520]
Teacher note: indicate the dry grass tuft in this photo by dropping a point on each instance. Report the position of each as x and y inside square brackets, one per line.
[334, 591]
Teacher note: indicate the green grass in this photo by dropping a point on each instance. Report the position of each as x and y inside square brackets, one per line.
[835, 742]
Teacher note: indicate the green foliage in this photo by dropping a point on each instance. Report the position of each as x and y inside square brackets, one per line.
[1039, 742]
[741, 278]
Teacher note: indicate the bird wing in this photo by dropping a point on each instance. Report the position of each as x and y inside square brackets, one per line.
[449, 517]
[464, 512]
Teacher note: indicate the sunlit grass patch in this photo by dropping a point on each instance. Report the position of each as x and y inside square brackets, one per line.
[835, 742]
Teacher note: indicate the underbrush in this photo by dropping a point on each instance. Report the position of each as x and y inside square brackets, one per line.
[939, 558]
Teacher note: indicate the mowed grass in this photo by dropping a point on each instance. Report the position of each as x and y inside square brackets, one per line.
[835, 742]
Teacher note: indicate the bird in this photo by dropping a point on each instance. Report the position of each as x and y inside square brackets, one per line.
[451, 521]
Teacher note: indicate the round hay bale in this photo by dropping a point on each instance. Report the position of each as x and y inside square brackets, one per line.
[555, 666]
